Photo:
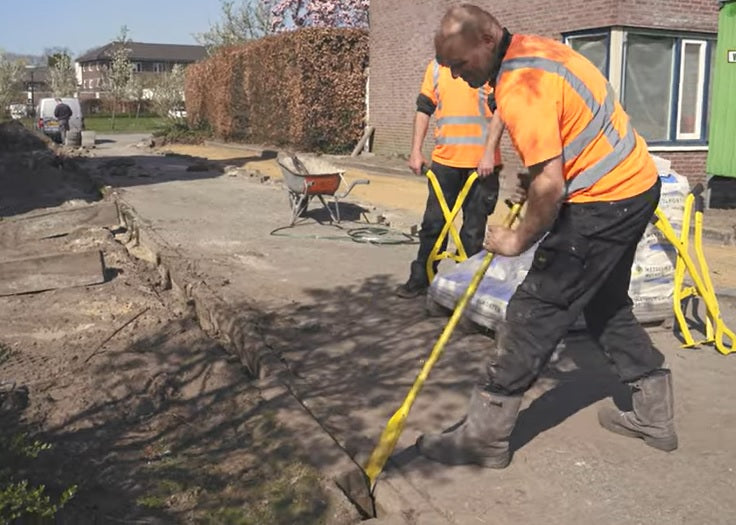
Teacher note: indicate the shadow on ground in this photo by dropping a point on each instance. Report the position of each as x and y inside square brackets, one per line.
[355, 351]
[165, 428]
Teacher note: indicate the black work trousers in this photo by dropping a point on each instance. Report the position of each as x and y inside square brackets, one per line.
[477, 207]
[582, 266]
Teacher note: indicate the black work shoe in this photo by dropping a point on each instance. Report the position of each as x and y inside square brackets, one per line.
[411, 289]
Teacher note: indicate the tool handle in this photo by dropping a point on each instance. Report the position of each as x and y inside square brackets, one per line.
[394, 427]
[697, 192]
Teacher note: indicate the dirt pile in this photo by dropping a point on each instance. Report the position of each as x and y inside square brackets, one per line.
[35, 174]
[16, 138]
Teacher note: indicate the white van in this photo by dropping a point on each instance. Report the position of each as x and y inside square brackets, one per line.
[48, 124]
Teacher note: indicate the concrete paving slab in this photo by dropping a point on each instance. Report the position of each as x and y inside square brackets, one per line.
[326, 311]
[50, 272]
[56, 223]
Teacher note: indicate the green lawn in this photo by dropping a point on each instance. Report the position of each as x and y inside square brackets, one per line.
[123, 124]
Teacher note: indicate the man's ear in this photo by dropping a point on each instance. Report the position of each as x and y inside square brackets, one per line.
[488, 39]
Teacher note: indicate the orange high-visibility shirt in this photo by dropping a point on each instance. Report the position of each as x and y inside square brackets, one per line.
[462, 115]
[554, 102]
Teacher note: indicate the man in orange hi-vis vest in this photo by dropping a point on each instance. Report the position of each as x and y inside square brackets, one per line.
[593, 190]
[462, 114]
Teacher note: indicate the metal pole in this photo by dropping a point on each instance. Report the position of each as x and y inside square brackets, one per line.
[33, 101]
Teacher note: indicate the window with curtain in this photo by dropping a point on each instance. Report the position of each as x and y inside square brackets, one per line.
[665, 86]
[647, 93]
[594, 47]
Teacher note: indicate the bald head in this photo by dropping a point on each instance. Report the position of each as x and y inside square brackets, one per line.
[466, 42]
[467, 23]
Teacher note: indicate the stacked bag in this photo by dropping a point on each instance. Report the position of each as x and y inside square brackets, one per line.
[652, 273]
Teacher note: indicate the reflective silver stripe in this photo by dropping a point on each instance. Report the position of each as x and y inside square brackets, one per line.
[482, 112]
[601, 121]
[597, 171]
[479, 120]
[436, 80]
[470, 141]
[461, 120]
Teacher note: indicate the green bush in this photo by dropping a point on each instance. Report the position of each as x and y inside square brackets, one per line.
[178, 131]
[20, 498]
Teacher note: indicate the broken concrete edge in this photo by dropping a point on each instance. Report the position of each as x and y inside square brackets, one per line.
[340, 160]
[718, 235]
[239, 333]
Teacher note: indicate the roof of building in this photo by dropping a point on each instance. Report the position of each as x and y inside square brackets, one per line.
[146, 51]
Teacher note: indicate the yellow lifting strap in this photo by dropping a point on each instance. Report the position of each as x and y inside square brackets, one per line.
[449, 227]
[715, 328]
[394, 427]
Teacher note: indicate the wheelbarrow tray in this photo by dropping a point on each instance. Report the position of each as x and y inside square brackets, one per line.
[316, 178]
[322, 179]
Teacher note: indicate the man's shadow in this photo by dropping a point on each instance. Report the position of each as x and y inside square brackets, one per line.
[582, 375]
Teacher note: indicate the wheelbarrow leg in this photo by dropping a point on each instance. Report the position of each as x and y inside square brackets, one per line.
[298, 201]
[337, 208]
[327, 207]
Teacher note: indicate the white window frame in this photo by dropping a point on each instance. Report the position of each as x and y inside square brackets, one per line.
[700, 100]
[677, 141]
[617, 38]
[159, 67]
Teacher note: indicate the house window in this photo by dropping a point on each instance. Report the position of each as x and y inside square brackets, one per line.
[158, 67]
[593, 46]
[137, 67]
[648, 84]
[663, 79]
[665, 86]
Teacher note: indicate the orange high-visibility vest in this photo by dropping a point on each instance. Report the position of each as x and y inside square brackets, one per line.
[461, 118]
[554, 102]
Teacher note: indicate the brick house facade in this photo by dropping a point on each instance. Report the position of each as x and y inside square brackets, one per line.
[146, 60]
[401, 45]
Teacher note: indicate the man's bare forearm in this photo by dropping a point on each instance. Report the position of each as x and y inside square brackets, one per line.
[495, 130]
[421, 125]
[543, 201]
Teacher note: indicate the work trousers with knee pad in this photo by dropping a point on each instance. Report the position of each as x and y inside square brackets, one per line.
[478, 206]
[582, 266]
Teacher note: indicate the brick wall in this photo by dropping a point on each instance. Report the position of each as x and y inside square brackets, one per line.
[691, 164]
[687, 15]
[401, 45]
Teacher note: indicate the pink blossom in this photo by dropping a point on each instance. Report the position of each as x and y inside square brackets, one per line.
[291, 14]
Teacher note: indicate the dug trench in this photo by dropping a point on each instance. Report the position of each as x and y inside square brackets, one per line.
[137, 411]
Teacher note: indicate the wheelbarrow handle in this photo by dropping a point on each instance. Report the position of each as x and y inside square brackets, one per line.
[351, 186]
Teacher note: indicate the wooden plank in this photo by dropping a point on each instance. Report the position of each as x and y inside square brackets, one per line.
[104, 214]
[361, 143]
[50, 272]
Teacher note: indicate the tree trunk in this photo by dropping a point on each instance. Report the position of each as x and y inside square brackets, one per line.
[138, 110]
[114, 104]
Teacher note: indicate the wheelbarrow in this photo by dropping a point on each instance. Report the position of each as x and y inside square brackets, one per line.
[311, 177]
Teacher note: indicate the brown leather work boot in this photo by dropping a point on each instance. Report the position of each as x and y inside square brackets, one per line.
[652, 417]
[482, 439]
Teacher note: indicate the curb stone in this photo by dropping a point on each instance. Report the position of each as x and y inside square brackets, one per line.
[239, 332]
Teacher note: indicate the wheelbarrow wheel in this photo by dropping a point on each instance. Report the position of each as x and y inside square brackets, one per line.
[298, 203]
